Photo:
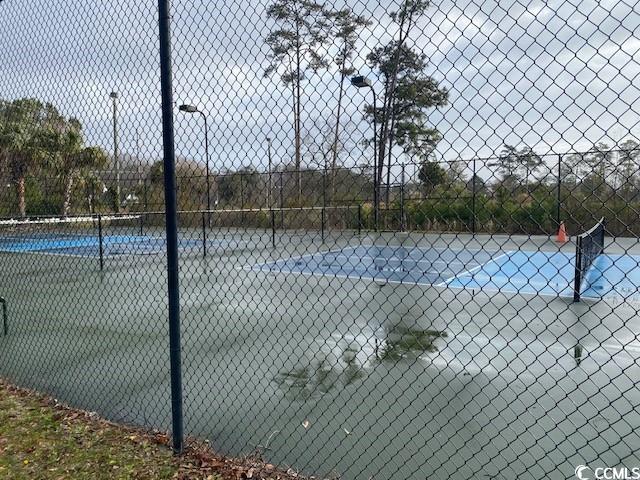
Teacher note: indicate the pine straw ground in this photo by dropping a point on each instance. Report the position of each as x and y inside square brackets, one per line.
[43, 439]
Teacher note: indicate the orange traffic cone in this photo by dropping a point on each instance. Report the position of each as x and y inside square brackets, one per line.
[562, 234]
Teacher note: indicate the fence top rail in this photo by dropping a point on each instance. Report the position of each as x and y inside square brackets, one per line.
[257, 210]
[62, 220]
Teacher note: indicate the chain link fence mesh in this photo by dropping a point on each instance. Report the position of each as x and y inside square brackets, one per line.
[373, 201]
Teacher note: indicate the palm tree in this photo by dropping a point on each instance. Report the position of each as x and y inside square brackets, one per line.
[21, 147]
[71, 157]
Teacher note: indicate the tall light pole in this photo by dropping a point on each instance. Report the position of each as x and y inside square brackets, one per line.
[192, 109]
[364, 82]
[114, 97]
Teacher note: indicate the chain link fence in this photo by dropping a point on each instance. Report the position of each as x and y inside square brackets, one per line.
[407, 231]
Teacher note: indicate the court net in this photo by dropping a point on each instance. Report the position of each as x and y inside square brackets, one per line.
[589, 246]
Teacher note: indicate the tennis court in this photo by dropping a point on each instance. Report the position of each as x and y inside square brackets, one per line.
[546, 273]
[98, 237]
[293, 342]
[91, 246]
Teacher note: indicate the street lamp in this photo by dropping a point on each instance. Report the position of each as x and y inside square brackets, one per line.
[364, 82]
[114, 97]
[192, 109]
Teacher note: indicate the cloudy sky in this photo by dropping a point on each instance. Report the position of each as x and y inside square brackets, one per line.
[554, 75]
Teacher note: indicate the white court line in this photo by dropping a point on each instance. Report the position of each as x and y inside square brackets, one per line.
[475, 269]
[408, 259]
[427, 248]
[355, 261]
[342, 275]
[320, 252]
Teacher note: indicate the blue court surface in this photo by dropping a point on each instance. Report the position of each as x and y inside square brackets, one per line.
[89, 246]
[525, 272]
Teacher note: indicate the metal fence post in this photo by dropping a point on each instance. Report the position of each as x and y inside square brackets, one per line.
[204, 235]
[324, 201]
[100, 244]
[171, 211]
[473, 198]
[273, 228]
[281, 202]
[5, 328]
[559, 190]
[402, 211]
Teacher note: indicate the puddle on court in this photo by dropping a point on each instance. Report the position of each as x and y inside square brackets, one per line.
[337, 364]
[331, 368]
[407, 342]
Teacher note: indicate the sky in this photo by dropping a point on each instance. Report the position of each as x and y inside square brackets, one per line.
[557, 76]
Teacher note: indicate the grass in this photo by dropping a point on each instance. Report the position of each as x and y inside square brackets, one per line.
[40, 438]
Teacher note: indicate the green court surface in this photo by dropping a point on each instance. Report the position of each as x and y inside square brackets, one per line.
[351, 373]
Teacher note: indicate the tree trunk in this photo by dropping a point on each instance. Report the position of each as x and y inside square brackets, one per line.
[298, 129]
[391, 139]
[20, 189]
[382, 138]
[66, 205]
[334, 157]
[390, 99]
[295, 124]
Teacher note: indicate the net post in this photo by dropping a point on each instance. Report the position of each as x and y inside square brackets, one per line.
[141, 225]
[578, 271]
[5, 329]
[204, 235]
[359, 219]
[100, 244]
[322, 222]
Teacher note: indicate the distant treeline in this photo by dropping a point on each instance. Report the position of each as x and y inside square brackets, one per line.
[47, 168]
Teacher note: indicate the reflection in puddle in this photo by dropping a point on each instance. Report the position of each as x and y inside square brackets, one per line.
[327, 371]
[402, 342]
[340, 363]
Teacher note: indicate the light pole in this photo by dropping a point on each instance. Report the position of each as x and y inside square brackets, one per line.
[114, 97]
[364, 82]
[192, 109]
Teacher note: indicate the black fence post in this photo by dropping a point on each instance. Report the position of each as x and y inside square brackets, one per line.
[281, 202]
[171, 211]
[559, 191]
[100, 244]
[204, 235]
[473, 198]
[402, 210]
[324, 201]
[273, 228]
[145, 196]
[5, 328]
